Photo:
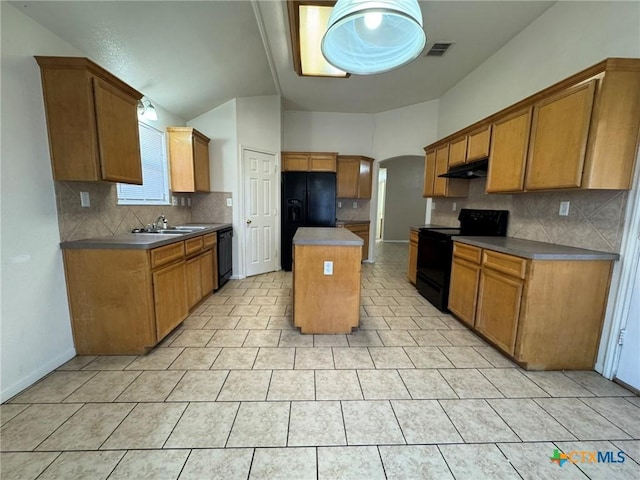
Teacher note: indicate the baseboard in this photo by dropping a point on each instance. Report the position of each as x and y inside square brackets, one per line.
[32, 378]
[395, 241]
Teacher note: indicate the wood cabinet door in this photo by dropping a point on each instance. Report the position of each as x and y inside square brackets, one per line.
[498, 311]
[347, 178]
[429, 173]
[458, 151]
[322, 162]
[294, 162]
[559, 132]
[478, 144]
[442, 164]
[201, 164]
[206, 273]
[412, 267]
[170, 298]
[118, 138]
[507, 160]
[194, 280]
[463, 290]
[365, 178]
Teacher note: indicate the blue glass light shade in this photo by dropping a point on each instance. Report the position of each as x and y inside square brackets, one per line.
[365, 37]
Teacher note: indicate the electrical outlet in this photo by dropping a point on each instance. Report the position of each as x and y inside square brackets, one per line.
[174, 201]
[564, 209]
[355, 204]
[453, 207]
[339, 204]
[328, 268]
[188, 201]
[183, 201]
[433, 205]
[229, 202]
[85, 201]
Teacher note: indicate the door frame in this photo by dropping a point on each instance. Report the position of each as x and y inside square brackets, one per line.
[240, 204]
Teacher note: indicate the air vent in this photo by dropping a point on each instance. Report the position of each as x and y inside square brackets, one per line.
[438, 49]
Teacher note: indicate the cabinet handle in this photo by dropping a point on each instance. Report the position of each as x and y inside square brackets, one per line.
[248, 222]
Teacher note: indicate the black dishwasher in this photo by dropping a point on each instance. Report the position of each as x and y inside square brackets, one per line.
[225, 257]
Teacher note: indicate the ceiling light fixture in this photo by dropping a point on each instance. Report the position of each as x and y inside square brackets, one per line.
[146, 110]
[365, 37]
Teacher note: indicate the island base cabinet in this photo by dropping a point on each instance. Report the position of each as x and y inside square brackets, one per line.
[170, 294]
[326, 303]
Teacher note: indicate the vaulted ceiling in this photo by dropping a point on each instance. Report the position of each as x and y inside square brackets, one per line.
[192, 56]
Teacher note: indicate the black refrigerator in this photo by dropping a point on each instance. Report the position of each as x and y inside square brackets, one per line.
[308, 200]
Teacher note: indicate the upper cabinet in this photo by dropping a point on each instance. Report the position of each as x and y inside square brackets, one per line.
[309, 161]
[92, 122]
[478, 143]
[354, 176]
[436, 162]
[188, 160]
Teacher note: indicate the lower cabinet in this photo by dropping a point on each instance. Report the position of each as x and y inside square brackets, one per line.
[361, 230]
[412, 267]
[545, 314]
[199, 276]
[170, 298]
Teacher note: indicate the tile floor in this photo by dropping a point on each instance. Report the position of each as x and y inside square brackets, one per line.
[237, 392]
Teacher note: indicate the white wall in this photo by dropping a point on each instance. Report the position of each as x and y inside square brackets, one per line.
[567, 38]
[35, 324]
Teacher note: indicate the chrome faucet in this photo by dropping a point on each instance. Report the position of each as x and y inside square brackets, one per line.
[161, 222]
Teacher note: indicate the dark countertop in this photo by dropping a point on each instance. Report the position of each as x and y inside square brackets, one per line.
[326, 236]
[416, 228]
[141, 241]
[535, 250]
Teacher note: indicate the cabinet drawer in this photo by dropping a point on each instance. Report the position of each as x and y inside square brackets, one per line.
[193, 245]
[209, 240]
[507, 264]
[358, 228]
[468, 252]
[167, 254]
[413, 237]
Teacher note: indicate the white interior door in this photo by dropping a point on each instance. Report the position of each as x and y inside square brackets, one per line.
[260, 212]
[629, 362]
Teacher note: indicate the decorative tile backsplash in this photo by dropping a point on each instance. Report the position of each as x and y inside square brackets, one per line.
[211, 208]
[595, 220]
[347, 212]
[105, 217]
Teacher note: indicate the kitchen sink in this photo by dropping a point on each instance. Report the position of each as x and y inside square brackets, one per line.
[180, 230]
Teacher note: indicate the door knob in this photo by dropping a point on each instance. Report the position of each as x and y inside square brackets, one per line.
[248, 222]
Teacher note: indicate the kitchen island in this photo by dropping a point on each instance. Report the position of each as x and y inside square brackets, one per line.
[326, 280]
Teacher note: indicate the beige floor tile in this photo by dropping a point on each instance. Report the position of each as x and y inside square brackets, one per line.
[158, 359]
[150, 465]
[313, 358]
[77, 362]
[254, 291]
[349, 463]
[228, 338]
[222, 323]
[280, 323]
[527, 459]
[54, 387]
[382, 301]
[465, 357]
[280, 292]
[476, 421]
[478, 461]
[316, 424]
[82, 465]
[397, 338]
[364, 338]
[462, 338]
[404, 462]
[426, 384]
[220, 310]
[193, 338]
[283, 464]
[378, 311]
[618, 411]
[337, 385]
[25, 465]
[582, 421]
[373, 323]
[111, 362]
[352, 357]
[253, 323]
[427, 357]
[33, 425]
[204, 425]
[512, 383]
[633, 400]
[278, 358]
[390, 357]
[291, 385]
[451, 322]
[274, 310]
[557, 384]
[262, 338]
[264, 300]
[168, 340]
[151, 386]
[8, 411]
[429, 338]
[228, 464]
[284, 301]
[147, 426]
[199, 386]
[405, 311]
[424, 421]
[88, 428]
[105, 386]
[371, 423]
[195, 323]
[598, 385]
[245, 385]
[382, 385]
[364, 300]
[404, 300]
[495, 358]
[430, 323]
[195, 359]
[631, 448]
[627, 470]
[245, 310]
[530, 422]
[387, 290]
[260, 424]
[293, 338]
[427, 311]
[469, 383]
[235, 358]
[330, 341]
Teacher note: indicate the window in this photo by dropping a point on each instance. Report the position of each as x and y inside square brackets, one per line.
[155, 179]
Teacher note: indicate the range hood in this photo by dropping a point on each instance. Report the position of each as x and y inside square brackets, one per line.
[470, 170]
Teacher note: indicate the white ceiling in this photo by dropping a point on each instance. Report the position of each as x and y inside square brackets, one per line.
[192, 56]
